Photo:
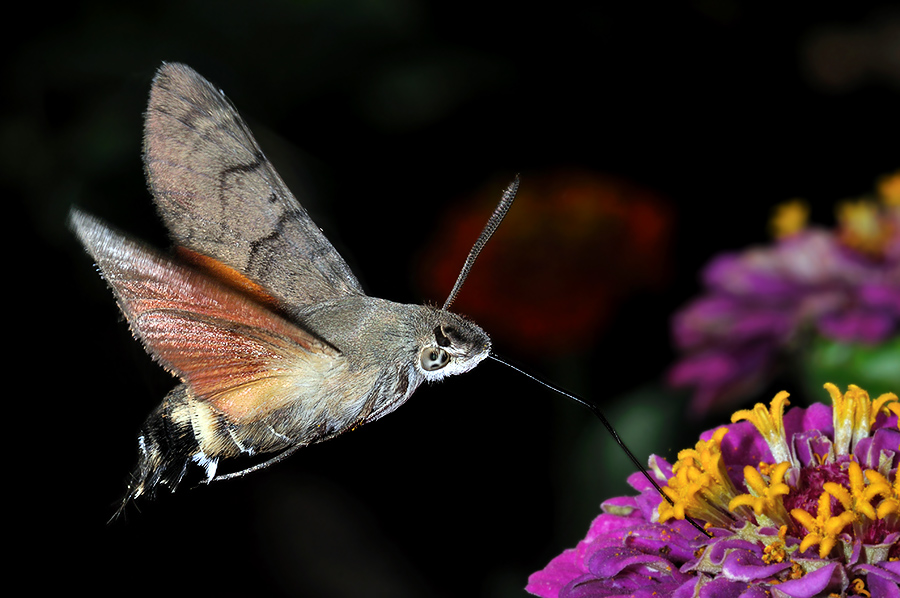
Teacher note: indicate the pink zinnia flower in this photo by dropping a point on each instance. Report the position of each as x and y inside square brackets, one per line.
[760, 303]
[798, 504]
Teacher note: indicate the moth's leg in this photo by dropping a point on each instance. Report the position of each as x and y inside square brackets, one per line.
[277, 458]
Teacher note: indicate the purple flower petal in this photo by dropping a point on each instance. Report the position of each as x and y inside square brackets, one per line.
[676, 542]
[741, 446]
[719, 549]
[607, 524]
[813, 584]
[548, 582]
[883, 294]
[857, 326]
[751, 273]
[704, 318]
[889, 570]
[885, 421]
[621, 506]
[630, 588]
[612, 560]
[725, 372]
[810, 446]
[882, 587]
[892, 566]
[884, 443]
[649, 498]
[688, 589]
[816, 417]
[758, 301]
[745, 565]
[726, 588]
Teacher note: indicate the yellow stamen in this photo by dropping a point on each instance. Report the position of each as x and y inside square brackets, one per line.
[889, 189]
[700, 486]
[859, 587]
[852, 416]
[789, 218]
[856, 499]
[776, 552]
[862, 227]
[888, 403]
[823, 529]
[765, 499]
[889, 508]
[765, 468]
[770, 424]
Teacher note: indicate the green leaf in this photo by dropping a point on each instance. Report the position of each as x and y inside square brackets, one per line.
[875, 368]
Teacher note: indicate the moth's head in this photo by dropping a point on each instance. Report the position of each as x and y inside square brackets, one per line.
[449, 344]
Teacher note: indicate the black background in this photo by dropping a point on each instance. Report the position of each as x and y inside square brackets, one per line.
[381, 115]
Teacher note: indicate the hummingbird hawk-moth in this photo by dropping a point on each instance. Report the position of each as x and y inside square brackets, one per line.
[275, 342]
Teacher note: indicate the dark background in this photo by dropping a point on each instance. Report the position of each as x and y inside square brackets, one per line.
[383, 116]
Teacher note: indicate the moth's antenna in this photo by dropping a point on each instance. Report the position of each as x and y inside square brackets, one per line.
[609, 427]
[493, 222]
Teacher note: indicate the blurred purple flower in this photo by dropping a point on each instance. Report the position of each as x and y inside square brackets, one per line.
[759, 303]
[839, 462]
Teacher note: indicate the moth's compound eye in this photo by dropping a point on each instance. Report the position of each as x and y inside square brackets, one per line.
[433, 358]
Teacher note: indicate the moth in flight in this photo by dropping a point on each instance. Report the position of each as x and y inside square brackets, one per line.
[274, 341]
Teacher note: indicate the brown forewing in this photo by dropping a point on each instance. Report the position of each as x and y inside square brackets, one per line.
[220, 197]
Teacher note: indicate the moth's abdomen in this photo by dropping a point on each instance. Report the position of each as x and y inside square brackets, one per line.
[165, 447]
[183, 429]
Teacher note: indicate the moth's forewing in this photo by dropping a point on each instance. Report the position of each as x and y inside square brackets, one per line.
[233, 353]
[220, 197]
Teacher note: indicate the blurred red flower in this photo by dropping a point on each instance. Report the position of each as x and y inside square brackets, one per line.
[574, 245]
